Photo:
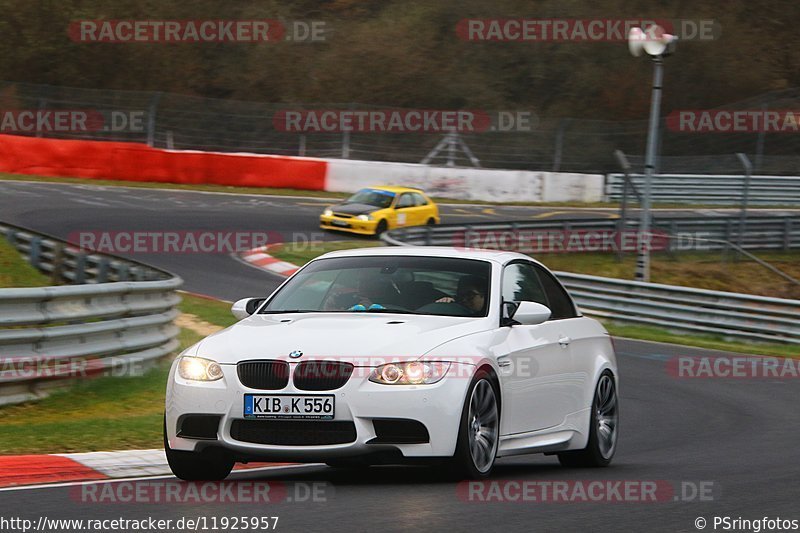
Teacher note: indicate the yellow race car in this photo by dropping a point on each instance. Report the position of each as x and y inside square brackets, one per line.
[373, 210]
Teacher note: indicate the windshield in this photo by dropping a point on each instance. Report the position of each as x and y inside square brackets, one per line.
[389, 284]
[372, 197]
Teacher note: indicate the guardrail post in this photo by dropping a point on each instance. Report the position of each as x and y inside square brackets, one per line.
[58, 263]
[787, 234]
[345, 144]
[80, 268]
[428, 235]
[123, 272]
[151, 119]
[726, 250]
[35, 252]
[673, 234]
[748, 171]
[11, 237]
[558, 153]
[102, 270]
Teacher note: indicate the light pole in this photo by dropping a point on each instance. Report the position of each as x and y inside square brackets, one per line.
[657, 44]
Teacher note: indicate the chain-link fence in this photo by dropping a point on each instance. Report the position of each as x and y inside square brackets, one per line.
[167, 120]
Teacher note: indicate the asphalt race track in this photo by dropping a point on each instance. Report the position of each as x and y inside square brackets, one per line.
[738, 440]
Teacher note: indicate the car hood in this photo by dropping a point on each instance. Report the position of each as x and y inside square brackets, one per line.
[354, 209]
[346, 337]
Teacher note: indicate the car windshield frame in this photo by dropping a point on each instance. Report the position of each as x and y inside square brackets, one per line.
[389, 265]
[379, 192]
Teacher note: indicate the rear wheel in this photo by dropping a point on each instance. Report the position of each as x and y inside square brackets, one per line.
[431, 221]
[603, 428]
[208, 465]
[479, 432]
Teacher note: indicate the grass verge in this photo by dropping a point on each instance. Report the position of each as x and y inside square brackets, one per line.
[693, 270]
[16, 272]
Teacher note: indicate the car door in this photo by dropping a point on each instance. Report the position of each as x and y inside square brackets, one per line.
[422, 209]
[577, 331]
[405, 210]
[535, 362]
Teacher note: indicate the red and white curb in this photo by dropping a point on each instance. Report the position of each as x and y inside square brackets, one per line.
[259, 258]
[21, 470]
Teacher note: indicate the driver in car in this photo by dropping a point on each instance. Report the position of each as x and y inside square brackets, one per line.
[470, 294]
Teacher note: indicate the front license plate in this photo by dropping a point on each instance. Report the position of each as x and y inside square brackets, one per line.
[307, 406]
[340, 223]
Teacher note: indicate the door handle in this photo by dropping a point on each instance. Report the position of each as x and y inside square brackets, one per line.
[564, 341]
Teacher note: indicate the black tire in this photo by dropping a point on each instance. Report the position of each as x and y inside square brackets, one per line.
[208, 465]
[463, 464]
[597, 453]
[431, 222]
[381, 227]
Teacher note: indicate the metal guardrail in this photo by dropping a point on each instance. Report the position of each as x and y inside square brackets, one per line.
[727, 314]
[690, 233]
[50, 336]
[65, 263]
[683, 309]
[711, 189]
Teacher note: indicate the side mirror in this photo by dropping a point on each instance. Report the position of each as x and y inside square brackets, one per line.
[246, 306]
[531, 313]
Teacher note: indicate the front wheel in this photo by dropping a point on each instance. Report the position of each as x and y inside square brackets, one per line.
[479, 432]
[208, 465]
[603, 428]
[381, 228]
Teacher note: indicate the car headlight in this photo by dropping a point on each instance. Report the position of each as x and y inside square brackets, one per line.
[364, 218]
[327, 213]
[414, 373]
[199, 369]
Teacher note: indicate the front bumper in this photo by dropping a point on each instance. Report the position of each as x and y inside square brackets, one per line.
[438, 407]
[351, 225]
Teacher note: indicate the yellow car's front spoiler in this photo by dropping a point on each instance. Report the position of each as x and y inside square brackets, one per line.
[350, 225]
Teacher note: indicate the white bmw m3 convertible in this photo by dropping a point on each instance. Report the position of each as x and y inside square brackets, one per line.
[396, 355]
